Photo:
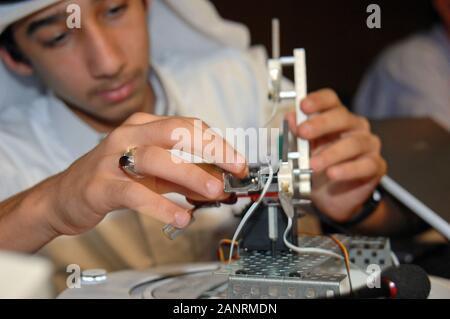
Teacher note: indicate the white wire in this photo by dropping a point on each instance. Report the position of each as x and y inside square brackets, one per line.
[394, 259]
[272, 116]
[310, 250]
[251, 210]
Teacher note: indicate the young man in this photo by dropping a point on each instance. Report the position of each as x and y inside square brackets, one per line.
[99, 77]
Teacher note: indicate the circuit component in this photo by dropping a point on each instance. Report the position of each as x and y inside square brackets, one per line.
[259, 274]
[253, 183]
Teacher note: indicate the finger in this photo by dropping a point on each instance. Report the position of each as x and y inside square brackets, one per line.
[166, 187]
[346, 148]
[111, 169]
[214, 149]
[190, 136]
[212, 169]
[320, 101]
[362, 168]
[158, 162]
[330, 122]
[137, 197]
[140, 118]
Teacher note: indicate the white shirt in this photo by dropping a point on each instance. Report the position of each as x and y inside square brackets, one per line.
[412, 78]
[39, 140]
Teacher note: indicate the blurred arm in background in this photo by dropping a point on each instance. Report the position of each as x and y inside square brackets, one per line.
[412, 78]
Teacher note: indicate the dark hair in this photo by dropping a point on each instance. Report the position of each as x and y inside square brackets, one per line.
[8, 42]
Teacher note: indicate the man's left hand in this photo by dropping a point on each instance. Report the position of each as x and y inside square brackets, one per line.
[345, 155]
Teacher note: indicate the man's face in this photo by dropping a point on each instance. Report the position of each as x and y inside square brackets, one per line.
[100, 69]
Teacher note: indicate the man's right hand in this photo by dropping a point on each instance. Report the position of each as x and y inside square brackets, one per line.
[95, 184]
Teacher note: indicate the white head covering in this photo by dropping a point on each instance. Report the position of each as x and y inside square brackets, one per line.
[198, 13]
[13, 11]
